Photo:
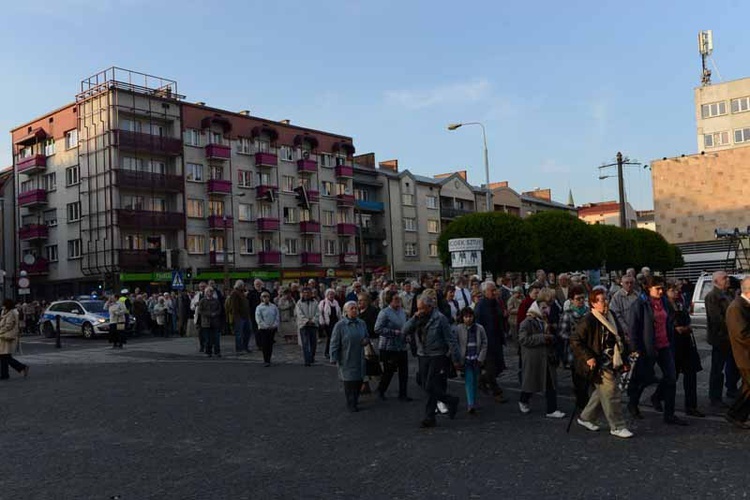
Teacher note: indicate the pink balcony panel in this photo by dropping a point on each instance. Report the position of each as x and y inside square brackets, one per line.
[32, 198]
[311, 258]
[348, 258]
[218, 152]
[268, 224]
[219, 222]
[313, 196]
[309, 226]
[41, 266]
[345, 200]
[307, 166]
[219, 186]
[344, 171]
[266, 160]
[345, 229]
[33, 232]
[269, 258]
[263, 190]
[32, 164]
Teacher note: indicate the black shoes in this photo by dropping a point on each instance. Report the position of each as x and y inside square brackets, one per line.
[381, 395]
[427, 423]
[694, 412]
[453, 408]
[635, 412]
[675, 420]
[656, 402]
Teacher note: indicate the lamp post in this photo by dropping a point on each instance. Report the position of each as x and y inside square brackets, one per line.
[454, 126]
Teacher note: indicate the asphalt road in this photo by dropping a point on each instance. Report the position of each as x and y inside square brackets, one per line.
[190, 427]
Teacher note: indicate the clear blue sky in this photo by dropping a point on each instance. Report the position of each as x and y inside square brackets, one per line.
[561, 86]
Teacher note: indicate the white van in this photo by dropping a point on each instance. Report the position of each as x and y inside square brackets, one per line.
[702, 287]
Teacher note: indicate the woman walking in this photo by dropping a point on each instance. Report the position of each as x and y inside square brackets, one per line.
[347, 350]
[268, 318]
[330, 314]
[392, 345]
[209, 309]
[472, 342]
[117, 321]
[9, 332]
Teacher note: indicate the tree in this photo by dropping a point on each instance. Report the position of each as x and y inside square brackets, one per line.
[509, 244]
[617, 245]
[565, 242]
[652, 250]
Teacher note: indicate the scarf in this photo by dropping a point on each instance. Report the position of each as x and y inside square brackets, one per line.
[608, 322]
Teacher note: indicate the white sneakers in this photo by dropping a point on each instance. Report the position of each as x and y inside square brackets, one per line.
[442, 407]
[622, 433]
[589, 425]
[556, 414]
[524, 408]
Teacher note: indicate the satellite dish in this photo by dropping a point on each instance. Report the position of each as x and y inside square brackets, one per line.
[385, 243]
[284, 249]
[29, 259]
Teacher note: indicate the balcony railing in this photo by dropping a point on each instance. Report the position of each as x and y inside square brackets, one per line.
[266, 160]
[452, 213]
[263, 191]
[348, 258]
[267, 224]
[133, 260]
[346, 229]
[219, 186]
[39, 267]
[33, 198]
[218, 152]
[309, 226]
[313, 196]
[345, 200]
[137, 141]
[370, 233]
[370, 206]
[307, 166]
[220, 222]
[32, 232]
[32, 164]
[344, 171]
[136, 219]
[218, 258]
[133, 179]
[311, 258]
[375, 260]
[269, 258]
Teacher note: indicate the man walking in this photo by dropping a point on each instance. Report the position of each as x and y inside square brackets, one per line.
[722, 361]
[489, 314]
[622, 301]
[738, 326]
[238, 315]
[308, 319]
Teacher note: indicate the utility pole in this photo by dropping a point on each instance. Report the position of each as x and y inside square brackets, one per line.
[619, 163]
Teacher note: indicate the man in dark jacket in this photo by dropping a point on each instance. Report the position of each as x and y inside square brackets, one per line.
[717, 336]
[738, 326]
[489, 314]
[239, 316]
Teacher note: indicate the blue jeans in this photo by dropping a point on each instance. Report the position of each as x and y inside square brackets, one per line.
[212, 340]
[242, 333]
[471, 379]
[309, 336]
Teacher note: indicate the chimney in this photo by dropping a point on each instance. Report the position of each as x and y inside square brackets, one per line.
[365, 160]
[285, 122]
[542, 194]
[496, 185]
[461, 174]
[245, 112]
[389, 165]
[200, 103]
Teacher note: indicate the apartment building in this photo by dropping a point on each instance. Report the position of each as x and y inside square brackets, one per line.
[131, 180]
[722, 115]
[607, 212]
[7, 229]
[371, 216]
[506, 199]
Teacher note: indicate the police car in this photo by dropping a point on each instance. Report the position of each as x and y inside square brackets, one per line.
[88, 317]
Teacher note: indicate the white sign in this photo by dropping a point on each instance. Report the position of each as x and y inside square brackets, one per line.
[466, 259]
[466, 244]
[24, 291]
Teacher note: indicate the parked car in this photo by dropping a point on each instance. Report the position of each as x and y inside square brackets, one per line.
[702, 287]
[81, 317]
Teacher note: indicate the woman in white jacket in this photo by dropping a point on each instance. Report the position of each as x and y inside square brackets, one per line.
[330, 314]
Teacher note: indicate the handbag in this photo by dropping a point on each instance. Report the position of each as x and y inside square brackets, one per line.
[372, 362]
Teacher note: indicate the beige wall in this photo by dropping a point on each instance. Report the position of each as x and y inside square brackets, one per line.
[694, 195]
[722, 92]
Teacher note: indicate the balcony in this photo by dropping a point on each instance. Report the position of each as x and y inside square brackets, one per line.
[452, 213]
[311, 259]
[369, 206]
[376, 260]
[345, 200]
[32, 164]
[143, 219]
[146, 181]
[269, 258]
[345, 229]
[309, 226]
[220, 222]
[218, 258]
[31, 232]
[307, 166]
[218, 152]
[33, 198]
[266, 191]
[371, 233]
[267, 224]
[219, 186]
[313, 196]
[133, 260]
[266, 160]
[344, 171]
[147, 143]
[38, 268]
[348, 259]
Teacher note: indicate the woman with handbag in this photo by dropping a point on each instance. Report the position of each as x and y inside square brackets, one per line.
[600, 354]
[117, 321]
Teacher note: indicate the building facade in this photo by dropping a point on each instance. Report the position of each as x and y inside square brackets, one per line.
[607, 212]
[722, 115]
[8, 230]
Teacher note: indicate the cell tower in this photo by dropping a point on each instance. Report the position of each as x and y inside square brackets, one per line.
[705, 47]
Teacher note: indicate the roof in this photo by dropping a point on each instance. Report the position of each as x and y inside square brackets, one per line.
[546, 203]
[599, 208]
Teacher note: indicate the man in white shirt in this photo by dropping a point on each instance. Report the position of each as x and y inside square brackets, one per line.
[463, 294]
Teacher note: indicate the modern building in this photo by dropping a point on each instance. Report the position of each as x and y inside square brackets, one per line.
[130, 181]
[8, 230]
[607, 212]
[722, 115]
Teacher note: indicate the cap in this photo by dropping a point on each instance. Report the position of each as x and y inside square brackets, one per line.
[124, 290]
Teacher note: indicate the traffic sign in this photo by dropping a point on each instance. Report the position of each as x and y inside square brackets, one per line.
[23, 282]
[178, 283]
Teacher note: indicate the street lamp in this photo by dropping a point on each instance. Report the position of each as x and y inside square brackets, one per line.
[454, 126]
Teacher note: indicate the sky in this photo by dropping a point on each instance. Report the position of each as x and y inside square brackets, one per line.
[560, 86]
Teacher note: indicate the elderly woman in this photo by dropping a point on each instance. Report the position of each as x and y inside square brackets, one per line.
[389, 328]
[514, 302]
[686, 356]
[268, 318]
[537, 347]
[9, 332]
[600, 352]
[209, 309]
[117, 321]
[160, 316]
[347, 351]
[330, 314]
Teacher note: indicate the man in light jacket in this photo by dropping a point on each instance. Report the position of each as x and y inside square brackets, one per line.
[268, 319]
[308, 320]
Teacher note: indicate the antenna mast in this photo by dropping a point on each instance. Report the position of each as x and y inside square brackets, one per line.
[705, 47]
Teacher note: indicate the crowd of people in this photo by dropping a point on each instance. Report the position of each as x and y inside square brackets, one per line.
[611, 336]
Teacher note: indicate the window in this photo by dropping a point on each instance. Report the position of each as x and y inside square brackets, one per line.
[328, 218]
[266, 245]
[50, 217]
[247, 245]
[265, 211]
[49, 182]
[292, 246]
[431, 202]
[130, 163]
[216, 138]
[74, 211]
[343, 216]
[304, 215]
[74, 249]
[27, 186]
[326, 188]
[714, 109]
[131, 125]
[290, 215]
[410, 224]
[134, 242]
[407, 199]
[433, 226]
[262, 146]
[196, 244]
[342, 188]
[288, 183]
[49, 147]
[71, 139]
[194, 172]
[740, 105]
[50, 252]
[741, 135]
[215, 207]
[361, 194]
[264, 179]
[72, 176]
[410, 250]
[340, 160]
[330, 247]
[345, 246]
[133, 202]
[244, 146]
[363, 220]
[325, 160]
[192, 137]
[216, 243]
[158, 167]
[286, 153]
[244, 178]
[26, 152]
[308, 245]
[216, 173]
[718, 139]
[433, 250]
[245, 212]
[158, 205]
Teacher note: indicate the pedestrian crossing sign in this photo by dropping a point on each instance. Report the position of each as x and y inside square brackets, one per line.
[177, 282]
